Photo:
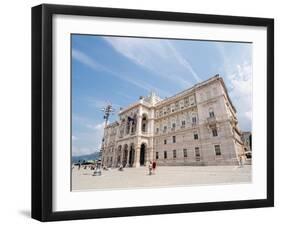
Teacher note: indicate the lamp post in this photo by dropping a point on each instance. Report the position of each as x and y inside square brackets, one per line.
[107, 110]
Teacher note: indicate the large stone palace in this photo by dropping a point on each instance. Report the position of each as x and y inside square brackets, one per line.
[197, 126]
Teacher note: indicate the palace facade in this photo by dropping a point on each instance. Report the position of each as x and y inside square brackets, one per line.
[197, 126]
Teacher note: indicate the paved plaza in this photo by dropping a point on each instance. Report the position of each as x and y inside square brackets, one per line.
[164, 176]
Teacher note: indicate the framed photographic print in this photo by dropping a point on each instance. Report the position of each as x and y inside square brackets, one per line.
[145, 112]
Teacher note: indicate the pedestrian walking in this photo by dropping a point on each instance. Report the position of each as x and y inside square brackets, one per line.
[150, 168]
[120, 167]
[153, 167]
[241, 161]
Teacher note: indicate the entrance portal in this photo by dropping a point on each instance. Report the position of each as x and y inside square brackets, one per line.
[142, 155]
[125, 154]
[131, 157]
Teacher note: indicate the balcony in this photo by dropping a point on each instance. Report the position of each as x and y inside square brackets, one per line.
[211, 121]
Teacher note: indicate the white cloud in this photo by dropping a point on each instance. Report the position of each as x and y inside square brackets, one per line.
[97, 127]
[159, 56]
[240, 83]
[100, 126]
[184, 63]
[85, 59]
[88, 61]
[237, 67]
[90, 136]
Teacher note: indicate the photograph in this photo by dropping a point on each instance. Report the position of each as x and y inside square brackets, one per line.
[145, 112]
[150, 112]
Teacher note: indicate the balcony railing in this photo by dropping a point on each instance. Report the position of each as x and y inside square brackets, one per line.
[211, 121]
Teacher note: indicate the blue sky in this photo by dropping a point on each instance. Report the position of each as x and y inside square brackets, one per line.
[120, 69]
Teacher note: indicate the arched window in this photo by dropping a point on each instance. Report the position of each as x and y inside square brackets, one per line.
[211, 113]
[134, 124]
[128, 126]
[144, 123]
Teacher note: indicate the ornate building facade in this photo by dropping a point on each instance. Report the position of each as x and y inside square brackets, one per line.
[197, 126]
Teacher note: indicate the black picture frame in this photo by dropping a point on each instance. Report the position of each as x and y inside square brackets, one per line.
[42, 107]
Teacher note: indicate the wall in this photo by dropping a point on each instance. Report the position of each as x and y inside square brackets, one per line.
[15, 112]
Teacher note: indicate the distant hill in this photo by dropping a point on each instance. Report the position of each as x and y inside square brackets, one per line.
[94, 156]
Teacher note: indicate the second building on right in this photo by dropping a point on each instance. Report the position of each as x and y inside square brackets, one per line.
[204, 133]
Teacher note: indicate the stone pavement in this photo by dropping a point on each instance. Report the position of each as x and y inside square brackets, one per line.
[164, 176]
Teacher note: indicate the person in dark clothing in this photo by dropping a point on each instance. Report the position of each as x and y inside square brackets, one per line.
[154, 166]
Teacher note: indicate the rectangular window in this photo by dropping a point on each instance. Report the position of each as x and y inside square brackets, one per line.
[174, 139]
[157, 155]
[218, 150]
[165, 154]
[182, 124]
[193, 120]
[165, 141]
[157, 130]
[184, 153]
[215, 132]
[211, 114]
[174, 125]
[165, 128]
[174, 154]
[195, 136]
[197, 154]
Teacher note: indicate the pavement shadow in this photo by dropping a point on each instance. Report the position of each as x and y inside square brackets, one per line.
[25, 213]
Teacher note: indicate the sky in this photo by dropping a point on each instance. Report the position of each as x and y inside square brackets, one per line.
[118, 70]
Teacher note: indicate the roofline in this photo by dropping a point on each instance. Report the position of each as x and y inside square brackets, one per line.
[132, 106]
[225, 89]
[196, 86]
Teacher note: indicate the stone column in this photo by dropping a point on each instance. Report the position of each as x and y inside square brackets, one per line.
[122, 153]
[131, 126]
[137, 157]
[128, 155]
[151, 122]
[139, 120]
[113, 157]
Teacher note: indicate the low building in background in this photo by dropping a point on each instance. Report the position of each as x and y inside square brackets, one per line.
[247, 141]
[197, 126]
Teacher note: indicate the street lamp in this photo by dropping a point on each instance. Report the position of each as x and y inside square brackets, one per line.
[107, 110]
